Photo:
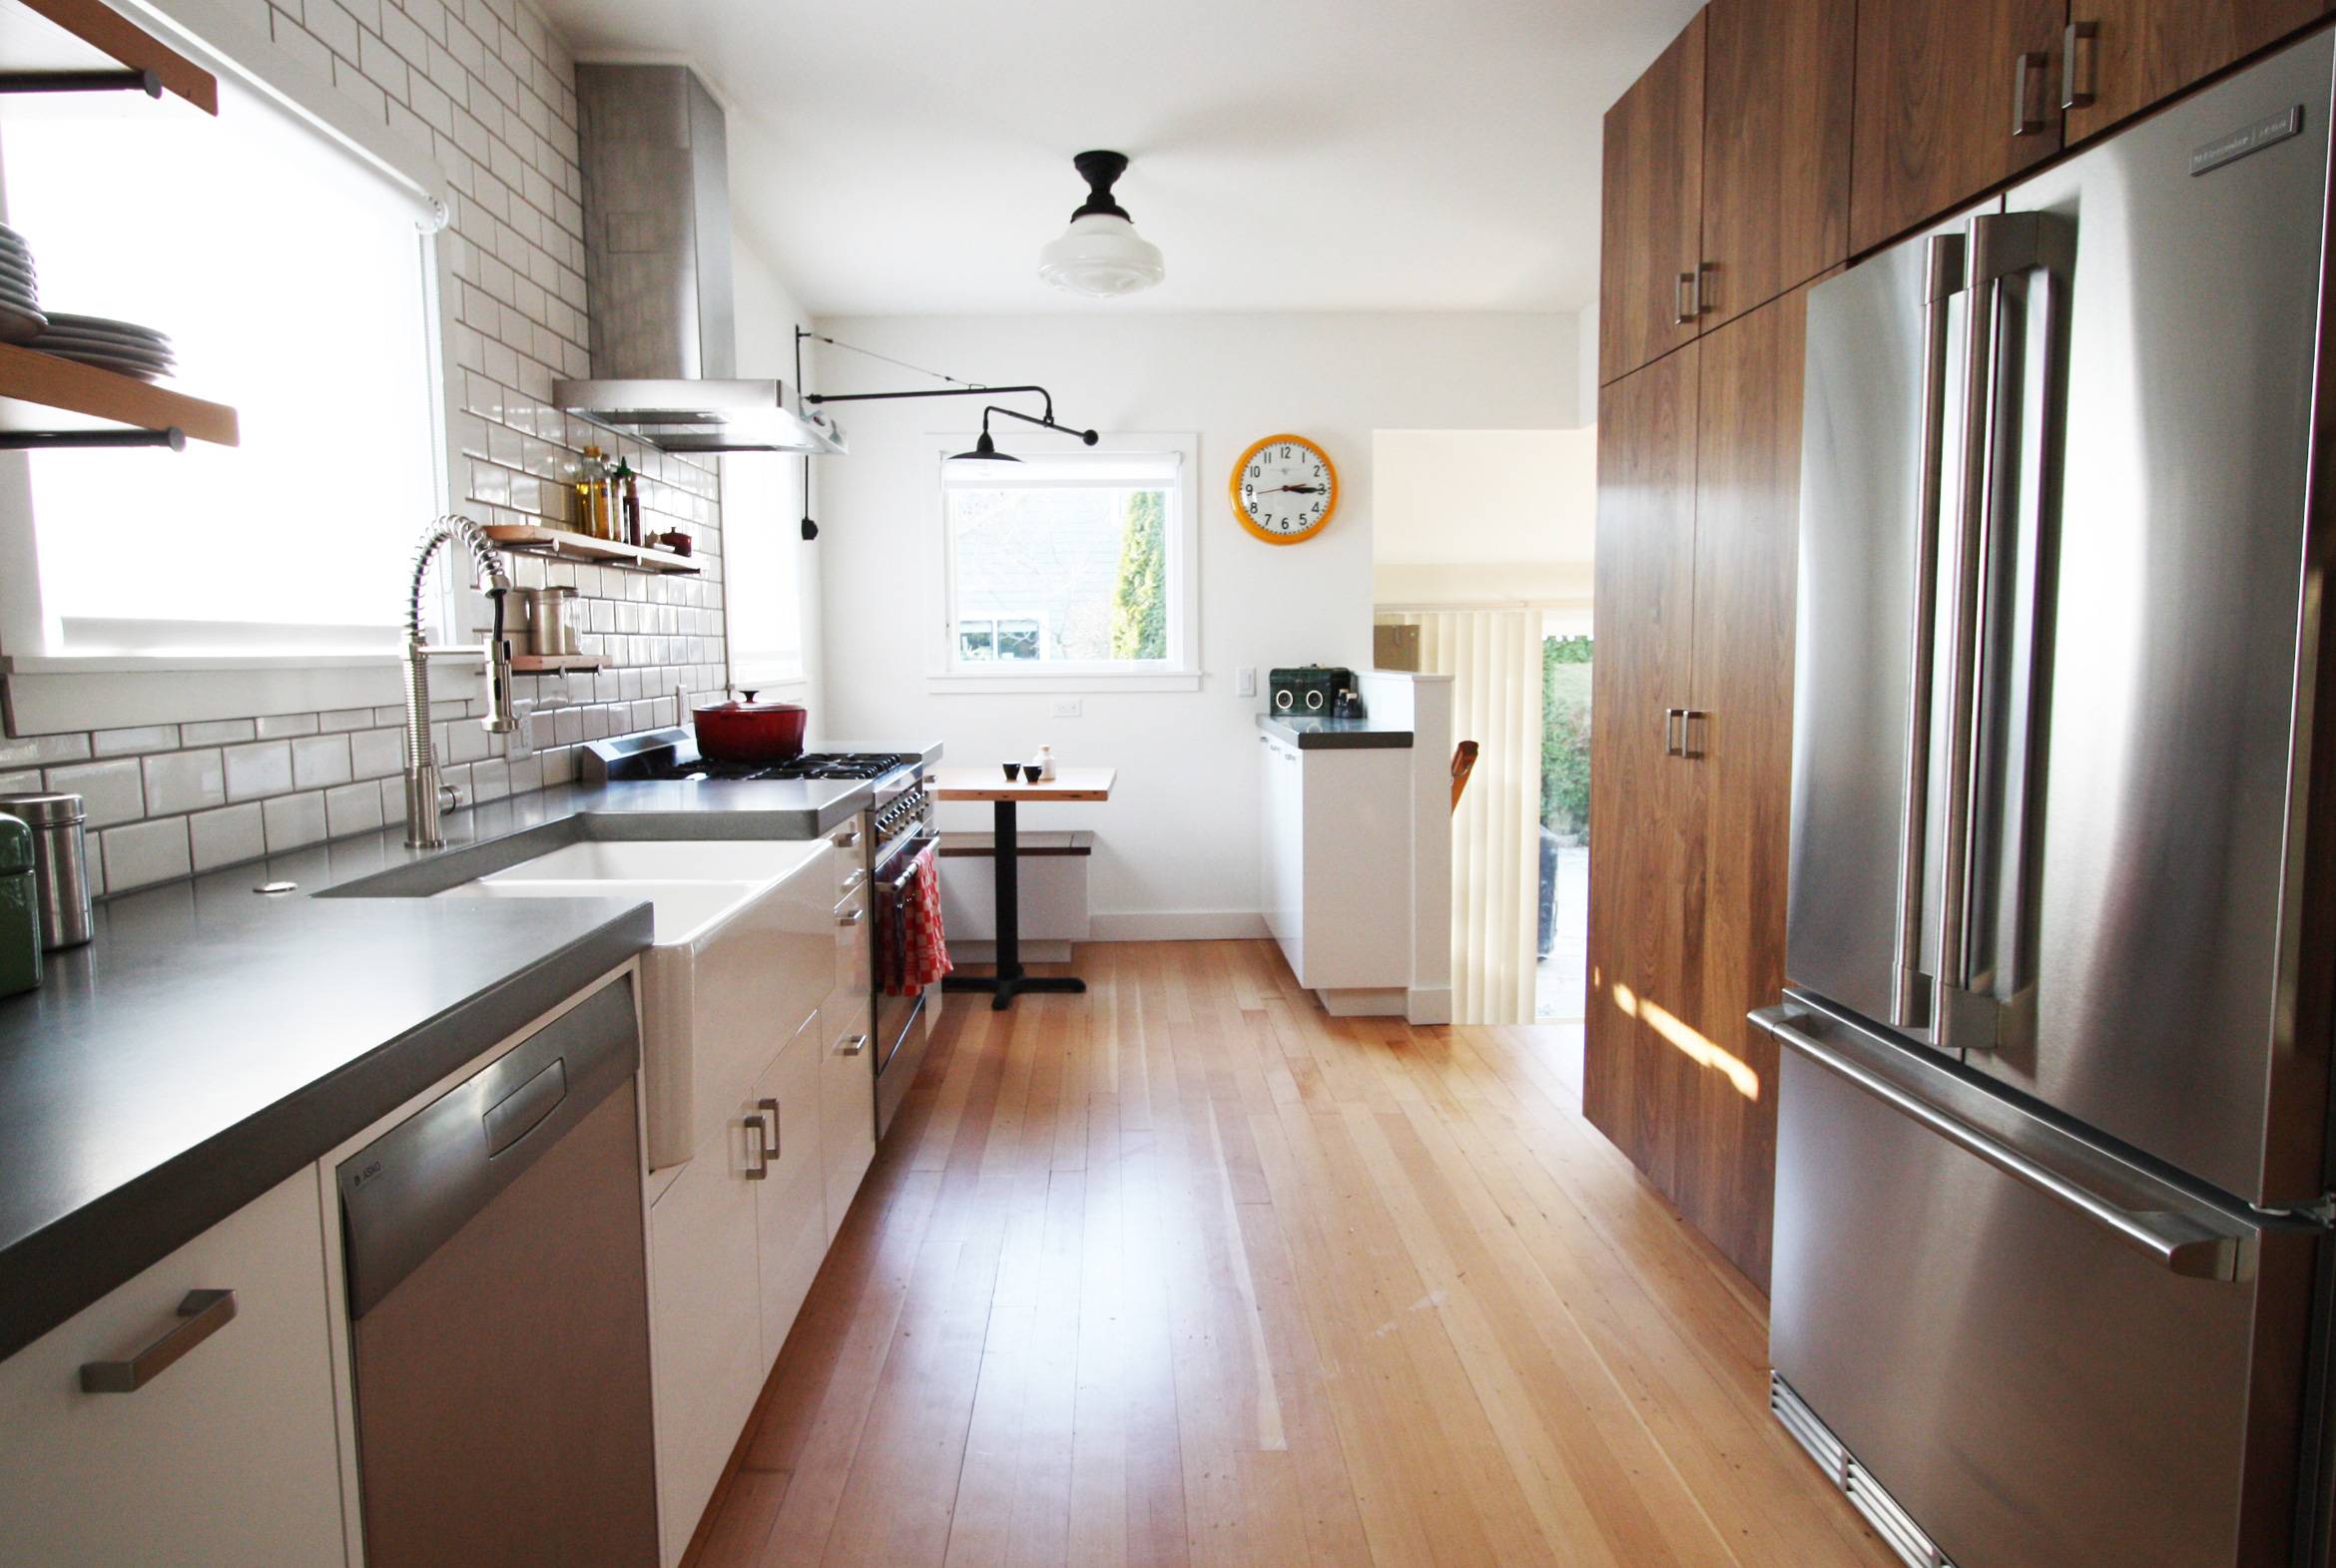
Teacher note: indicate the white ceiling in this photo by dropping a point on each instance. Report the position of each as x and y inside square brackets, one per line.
[1289, 155]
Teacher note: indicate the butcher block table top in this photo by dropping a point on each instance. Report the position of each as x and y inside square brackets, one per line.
[988, 783]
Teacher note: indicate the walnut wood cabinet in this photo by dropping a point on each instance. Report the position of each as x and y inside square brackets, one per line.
[2119, 56]
[1727, 169]
[1652, 210]
[1952, 96]
[1699, 463]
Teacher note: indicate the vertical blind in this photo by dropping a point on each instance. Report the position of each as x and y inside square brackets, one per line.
[1495, 660]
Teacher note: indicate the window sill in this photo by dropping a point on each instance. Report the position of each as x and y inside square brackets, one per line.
[60, 694]
[1045, 682]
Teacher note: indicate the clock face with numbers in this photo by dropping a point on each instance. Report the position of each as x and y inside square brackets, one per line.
[1285, 489]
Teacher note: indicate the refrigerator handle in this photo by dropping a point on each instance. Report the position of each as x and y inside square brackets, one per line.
[2001, 246]
[1910, 992]
[2188, 1244]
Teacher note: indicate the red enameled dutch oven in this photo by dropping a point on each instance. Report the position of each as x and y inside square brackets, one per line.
[751, 732]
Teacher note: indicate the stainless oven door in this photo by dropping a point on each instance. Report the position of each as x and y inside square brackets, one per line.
[899, 1035]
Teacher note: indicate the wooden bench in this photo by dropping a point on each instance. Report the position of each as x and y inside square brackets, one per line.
[1054, 876]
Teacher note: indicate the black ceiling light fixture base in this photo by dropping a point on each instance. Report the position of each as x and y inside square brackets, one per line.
[1101, 171]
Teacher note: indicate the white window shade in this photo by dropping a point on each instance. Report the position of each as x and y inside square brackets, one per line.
[294, 279]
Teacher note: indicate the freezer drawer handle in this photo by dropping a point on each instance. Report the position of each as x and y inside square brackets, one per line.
[2177, 1242]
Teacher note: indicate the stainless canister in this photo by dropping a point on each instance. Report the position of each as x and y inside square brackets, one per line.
[60, 865]
[548, 632]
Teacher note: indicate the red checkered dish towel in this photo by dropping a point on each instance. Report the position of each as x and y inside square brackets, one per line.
[922, 944]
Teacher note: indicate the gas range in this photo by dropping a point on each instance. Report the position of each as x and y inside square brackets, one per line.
[672, 754]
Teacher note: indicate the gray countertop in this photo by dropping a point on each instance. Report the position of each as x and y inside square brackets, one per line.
[1310, 734]
[212, 1040]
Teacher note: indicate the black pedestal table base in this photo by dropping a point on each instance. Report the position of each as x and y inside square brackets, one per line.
[1010, 980]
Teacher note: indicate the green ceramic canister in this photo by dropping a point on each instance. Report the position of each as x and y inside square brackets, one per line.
[20, 918]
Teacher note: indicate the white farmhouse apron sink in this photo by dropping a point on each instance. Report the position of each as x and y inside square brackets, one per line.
[740, 927]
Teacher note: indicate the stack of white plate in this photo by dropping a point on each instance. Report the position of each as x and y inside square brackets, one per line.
[110, 345]
[20, 291]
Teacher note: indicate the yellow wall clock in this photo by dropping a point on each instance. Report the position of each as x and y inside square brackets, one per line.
[1285, 489]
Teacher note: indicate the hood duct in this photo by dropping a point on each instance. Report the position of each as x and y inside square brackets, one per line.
[657, 275]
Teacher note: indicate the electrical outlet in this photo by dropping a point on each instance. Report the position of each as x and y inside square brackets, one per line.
[519, 745]
[1066, 708]
[1245, 681]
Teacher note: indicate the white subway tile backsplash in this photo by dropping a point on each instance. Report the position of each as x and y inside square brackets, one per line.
[292, 820]
[185, 781]
[226, 836]
[261, 769]
[145, 852]
[110, 791]
[276, 726]
[333, 718]
[217, 731]
[129, 742]
[375, 754]
[35, 750]
[489, 781]
[353, 808]
[468, 742]
[27, 782]
[321, 761]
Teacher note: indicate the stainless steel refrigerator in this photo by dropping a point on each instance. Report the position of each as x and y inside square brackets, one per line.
[2054, 1109]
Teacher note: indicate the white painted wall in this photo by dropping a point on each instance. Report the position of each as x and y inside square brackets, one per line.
[1177, 845]
[767, 314]
[1475, 518]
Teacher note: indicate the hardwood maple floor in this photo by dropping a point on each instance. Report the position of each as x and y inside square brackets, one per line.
[1185, 1272]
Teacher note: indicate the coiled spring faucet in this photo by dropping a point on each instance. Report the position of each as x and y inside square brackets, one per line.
[428, 795]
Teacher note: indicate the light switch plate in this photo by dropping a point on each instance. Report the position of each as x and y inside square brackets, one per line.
[1066, 708]
[1245, 681]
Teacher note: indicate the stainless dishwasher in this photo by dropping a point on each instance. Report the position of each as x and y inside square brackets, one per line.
[499, 1307]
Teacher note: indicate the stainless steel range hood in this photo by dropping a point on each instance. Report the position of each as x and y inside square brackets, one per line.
[657, 275]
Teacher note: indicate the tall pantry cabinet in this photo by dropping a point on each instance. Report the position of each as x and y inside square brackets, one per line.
[1770, 143]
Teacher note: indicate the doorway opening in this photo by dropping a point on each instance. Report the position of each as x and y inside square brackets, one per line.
[1561, 926]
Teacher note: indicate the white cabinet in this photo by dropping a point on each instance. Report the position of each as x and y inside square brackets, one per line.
[1337, 864]
[705, 1322]
[791, 1202]
[227, 1455]
[719, 999]
[848, 1065]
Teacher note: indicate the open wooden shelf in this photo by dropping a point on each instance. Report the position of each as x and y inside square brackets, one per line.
[554, 664]
[533, 539]
[46, 37]
[41, 392]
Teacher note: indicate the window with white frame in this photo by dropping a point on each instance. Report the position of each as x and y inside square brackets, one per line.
[1069, 565]
[295, 281]
[762, 566]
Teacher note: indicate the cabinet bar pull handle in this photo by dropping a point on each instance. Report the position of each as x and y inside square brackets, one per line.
[1683, 299]
[770, 1108]
[2078, 85]
[852, 1045]
[851, 917]
[2026, 71]
[847, 839]
[758, 1152]
[202, 1313]
[1688, 745]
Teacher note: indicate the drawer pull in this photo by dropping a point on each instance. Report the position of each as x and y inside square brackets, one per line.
[758, 1166]
[852, 916]
[853, 884]
[202, 1313]
[852, 1045]
[763, 1144]
[848, 839]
